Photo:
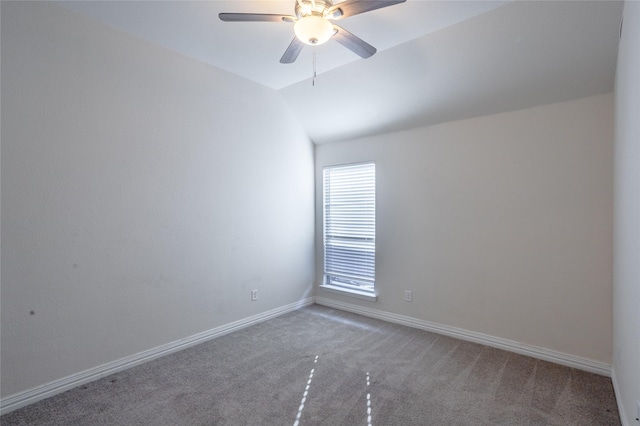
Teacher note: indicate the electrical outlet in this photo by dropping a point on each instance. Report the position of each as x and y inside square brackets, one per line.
[408, 295]
[254, 295]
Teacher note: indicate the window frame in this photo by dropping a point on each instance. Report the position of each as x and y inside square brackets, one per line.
[360, 240]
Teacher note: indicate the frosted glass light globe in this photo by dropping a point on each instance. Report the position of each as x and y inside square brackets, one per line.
[313, 30]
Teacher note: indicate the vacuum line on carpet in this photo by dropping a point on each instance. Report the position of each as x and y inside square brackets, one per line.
[304, 395]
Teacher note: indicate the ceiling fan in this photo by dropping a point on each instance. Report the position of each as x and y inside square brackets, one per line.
[312, 26]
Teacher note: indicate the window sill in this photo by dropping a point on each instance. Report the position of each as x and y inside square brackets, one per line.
[364, 295]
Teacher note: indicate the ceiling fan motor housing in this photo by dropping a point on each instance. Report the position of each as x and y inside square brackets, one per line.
[306, 8]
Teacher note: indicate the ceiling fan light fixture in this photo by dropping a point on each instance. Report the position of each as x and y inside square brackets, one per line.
[313, 30]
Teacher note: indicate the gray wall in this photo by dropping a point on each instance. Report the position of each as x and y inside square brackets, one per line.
[501, 225]
[144, 194]
[626, 301]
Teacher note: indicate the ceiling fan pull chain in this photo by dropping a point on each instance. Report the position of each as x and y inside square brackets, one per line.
[313, 82]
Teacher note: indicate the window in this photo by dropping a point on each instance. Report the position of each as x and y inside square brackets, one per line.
[350, 227]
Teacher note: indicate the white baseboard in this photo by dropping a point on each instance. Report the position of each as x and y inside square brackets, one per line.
[472, 336]
[623, 415]
[46, 390]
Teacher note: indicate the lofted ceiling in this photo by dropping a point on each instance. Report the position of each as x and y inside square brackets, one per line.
[437, 61]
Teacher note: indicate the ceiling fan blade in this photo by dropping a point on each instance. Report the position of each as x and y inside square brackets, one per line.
[354, 7]
[353, 43]
[255, 17]
[292, 52]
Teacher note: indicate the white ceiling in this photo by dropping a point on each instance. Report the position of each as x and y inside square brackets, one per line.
[437, 60]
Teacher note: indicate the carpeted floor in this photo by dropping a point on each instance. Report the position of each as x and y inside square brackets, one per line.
[320, 366]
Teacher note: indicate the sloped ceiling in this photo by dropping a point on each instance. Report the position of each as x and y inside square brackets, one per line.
[437, 61]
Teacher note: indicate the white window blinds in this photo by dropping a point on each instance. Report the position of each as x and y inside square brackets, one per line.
[350, 225]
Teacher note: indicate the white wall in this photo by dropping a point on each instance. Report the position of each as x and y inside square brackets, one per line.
[500, 225]
[626, 290]
[144, 194]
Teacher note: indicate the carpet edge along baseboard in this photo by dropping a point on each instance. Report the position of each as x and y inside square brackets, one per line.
[38, 393]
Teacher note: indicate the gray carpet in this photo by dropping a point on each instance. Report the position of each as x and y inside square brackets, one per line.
[319, 366]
